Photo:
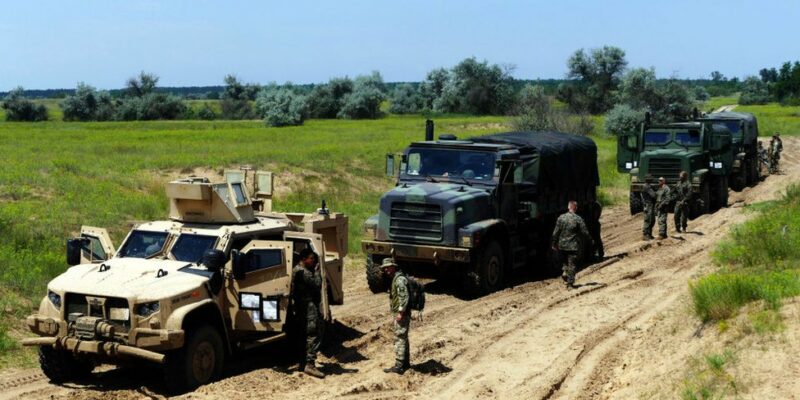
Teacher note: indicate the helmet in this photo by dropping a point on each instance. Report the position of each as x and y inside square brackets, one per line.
[388, 262]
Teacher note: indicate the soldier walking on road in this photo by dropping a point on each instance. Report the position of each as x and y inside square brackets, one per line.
[568, 238]
[401, 316]
[662, 207]
[306, 293]
[683, 197]
[648, 203]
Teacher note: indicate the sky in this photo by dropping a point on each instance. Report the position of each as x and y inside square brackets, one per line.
[56, 44]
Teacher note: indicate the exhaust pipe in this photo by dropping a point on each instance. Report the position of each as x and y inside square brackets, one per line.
[429, 130]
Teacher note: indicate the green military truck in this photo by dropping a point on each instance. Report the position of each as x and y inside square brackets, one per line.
[744, 146]
[702, 148]
[480, 209]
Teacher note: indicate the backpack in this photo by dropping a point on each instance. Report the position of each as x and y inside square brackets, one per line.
[416, 294]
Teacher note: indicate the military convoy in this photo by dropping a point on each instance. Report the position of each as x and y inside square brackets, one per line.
[479, 209]
[187, 292]
[717, 150]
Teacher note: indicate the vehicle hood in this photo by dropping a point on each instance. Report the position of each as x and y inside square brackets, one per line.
[132, 278]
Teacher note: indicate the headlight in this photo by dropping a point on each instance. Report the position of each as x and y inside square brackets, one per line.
[466, 241]
[369, 232]
[147, 309]
[55, 298]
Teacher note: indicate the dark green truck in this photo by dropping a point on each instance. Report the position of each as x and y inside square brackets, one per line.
[481, 209]
[716, 150]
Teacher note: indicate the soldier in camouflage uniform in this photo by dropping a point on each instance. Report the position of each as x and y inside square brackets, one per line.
[568, 238]
[648, 203]
[763, 157]
[401, 316]
[662, 207]
[683, 196]
[306, 292]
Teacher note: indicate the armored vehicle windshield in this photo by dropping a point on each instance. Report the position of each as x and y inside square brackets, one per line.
[691, 137]
[450, 163]
[187, 247]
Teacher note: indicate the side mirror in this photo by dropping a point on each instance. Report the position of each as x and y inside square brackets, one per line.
[238, 261]
[390, 165]
[74, 248]
[213, 259]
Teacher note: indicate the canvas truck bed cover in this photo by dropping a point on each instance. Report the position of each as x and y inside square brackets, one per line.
[552, 161]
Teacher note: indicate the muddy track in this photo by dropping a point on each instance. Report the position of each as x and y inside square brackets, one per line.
[535, 340]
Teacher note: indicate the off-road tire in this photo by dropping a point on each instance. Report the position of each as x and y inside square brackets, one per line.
[62, 366]
[755, 172]
[490, 269]
[375, 278]
[636, 203]
[739, 181]
[702, 204]
[199, 362]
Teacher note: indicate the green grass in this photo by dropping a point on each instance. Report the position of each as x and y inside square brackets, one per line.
[708, 377]
[767, 269]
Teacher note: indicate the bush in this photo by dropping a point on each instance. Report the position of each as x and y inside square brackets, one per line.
[595, 78]
[151, 106]
[623, 119]
[476, 88]
[87, 104]
[207, 113]
[19, 108]
[325, 101]
[236, 98]
[281, 106]
[405, 100]
[754, 91]
[666, 102]
[433, 86]
[701, 94]
[536, 113]
[719, 296]
[365, 99]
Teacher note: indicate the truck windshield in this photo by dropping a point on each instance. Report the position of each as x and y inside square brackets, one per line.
[656, 137]
[143, 244]
[190, 248]
[733, 126]
[688, 138]
[477, 165]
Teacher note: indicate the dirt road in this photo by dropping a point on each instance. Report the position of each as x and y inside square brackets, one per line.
[625, 333]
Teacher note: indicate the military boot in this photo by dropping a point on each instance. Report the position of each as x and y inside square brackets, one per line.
[312, 370]
[398, 369]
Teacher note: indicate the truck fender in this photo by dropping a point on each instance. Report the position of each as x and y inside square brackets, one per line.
[482, 229]
[179, 315]
[698, 177]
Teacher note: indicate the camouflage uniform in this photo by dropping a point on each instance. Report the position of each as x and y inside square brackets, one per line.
[776, 147]
[648, 202]
[398, 301]
[306, 289]
[763, 156]
[568, 238]
[662, 209]
[683, 197]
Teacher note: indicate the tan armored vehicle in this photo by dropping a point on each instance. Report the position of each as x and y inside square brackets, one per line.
[189, 291]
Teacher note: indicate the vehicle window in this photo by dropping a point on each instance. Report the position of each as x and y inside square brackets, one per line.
[143, 244]
[259, 259]
[93, 250]
[689, 138]
[238, 192]
[733, 126]
[656, 137]
[476, 165]
[190, 248]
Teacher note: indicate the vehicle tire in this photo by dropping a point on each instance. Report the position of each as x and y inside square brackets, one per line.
[376, 281]
[490, 268]
[702, 204]
[61, 366]
[739, 180]
[636, 203]
[723, 186]
[755, 175]
[199, 362]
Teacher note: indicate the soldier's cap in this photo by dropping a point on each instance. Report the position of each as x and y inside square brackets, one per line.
[388, 262]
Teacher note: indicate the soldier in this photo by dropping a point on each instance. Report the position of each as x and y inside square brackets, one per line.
[595, 229]
[662, 207]
[567, 240]
[763, 157]
[648, 201]
[306, 290]
[682, 193]
[401, 316]
[776, 147]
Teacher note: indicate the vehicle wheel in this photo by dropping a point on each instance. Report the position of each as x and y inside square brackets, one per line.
[198, 363]
[739, 181]
[490, 268]
[636, 203]
[755, 172]
[702, 204]
[62, 366]
[723, 192]
[375, 279]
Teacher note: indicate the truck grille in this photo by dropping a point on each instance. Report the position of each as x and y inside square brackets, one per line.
[79, 303]
[416, 221]
[669, 168]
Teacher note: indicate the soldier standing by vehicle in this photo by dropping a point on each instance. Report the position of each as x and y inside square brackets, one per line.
[662, 207]
[683, 197]
[568, 236]
[776, 147]
[595, 229]
[401, 316]
[648, 201]
[763, 156]
[306, 288]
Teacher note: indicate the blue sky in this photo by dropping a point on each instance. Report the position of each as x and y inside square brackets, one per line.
[55, 44]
